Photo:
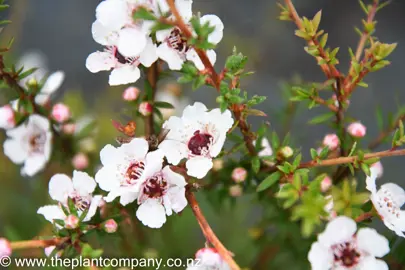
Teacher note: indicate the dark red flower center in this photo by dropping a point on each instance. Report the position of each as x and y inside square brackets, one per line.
[177, 41]
[134, 172]
[155, 187]
[346, 255]
[120, 58]
[37, 142]
[81, 203]
[199, 143]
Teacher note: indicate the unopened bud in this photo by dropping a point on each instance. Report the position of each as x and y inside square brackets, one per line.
[80, 161]
[60, 112]
[357, 130]
[131, 93]
[7, 118]
[71, 222]
[331, 141]
[235, 191]
[239, 174]
[5, 247]
[218, 164]
[286, 152]
[145, 108]
[69, 129]
[110, 226]
[326, 184]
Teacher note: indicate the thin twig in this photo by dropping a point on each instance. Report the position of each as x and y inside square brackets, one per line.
[38, 243]
[152, 76]
[364, 216]
[209, 233]
[386, 133]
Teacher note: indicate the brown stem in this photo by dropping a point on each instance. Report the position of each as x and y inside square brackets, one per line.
[209, 233]
[152, 76]
[38, 243]
[364, 216]
[215, 78]
[386, 133]
[344, 160]
[321, 101]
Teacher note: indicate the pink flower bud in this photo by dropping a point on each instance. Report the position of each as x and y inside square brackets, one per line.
[239, 174]
[80, 161]
[235, 191]
[60, 112]
[145, 108]
[131, 93]
[357, 130]
[69, 129]
[331, 141]
[71, 222]
[378, 167]
[7, 119]
[326, 184]
[287, 152]
[110, 226]
[5, 247]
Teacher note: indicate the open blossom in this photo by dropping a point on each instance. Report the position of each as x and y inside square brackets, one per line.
[5, 247]
[7, 119]
[206, 259]
[357, 130]
[198, 135]
[340, 247]
[388, 201]
[174, 48]
[30, 144]
[331, 141]
[124, 69]
[79, 189]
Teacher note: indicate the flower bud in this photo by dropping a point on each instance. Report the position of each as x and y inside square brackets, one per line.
[87, 145]
[131, 93]
[60, 112]
[7, 119]
[331, 141]
[218, 164]
[5, 247]
[235, 191]
[71, 222]
[145, 108]
[378, 167]
[69, 129]
[326, 184]
[286, 152]
[110, 226]
[357, 130]
[80, 161]
[239, 174]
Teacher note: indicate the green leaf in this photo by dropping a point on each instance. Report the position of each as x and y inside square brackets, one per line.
[199, 81]
[255, 164]
[316, 20]
[321, 118]
[142, 13]
[269, 181]
[26, 73]
[162, 104]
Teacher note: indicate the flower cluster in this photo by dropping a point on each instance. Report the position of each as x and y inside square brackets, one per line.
[129, 43]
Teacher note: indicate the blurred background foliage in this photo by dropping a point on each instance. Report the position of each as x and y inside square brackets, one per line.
[257, 230]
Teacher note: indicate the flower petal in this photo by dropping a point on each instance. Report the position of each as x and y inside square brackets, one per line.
[154, 163]
[107, 178]
[151, 213]
[128, 197]
[131, 42]
[33, 165]
[124, 75]
[149, 55]
[60, 187]
[112, 13]
[103, 35]
[51, 212]
[99, 61]
[170, 56]
[185, 9]
[109, 155]
[136, 149]
[370, 181]
[177, 197]
[397, 193]
[53, 82]
[83, 183]
[174, 151]
[192, 56]
[15, 151]
[339, 230]
[95, 202]
[371, 263]
[198, 166]
[320, 257]
[173, 178]
[214, 21]
[373, 243]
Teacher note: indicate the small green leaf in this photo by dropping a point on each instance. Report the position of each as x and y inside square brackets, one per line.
[269, 181]
[321, 118]
[162, 104]
[255, 164]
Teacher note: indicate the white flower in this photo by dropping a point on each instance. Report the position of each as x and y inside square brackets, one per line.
[388, 201]
[30, 143]
[339, 247]
[79, 189]
[7, 118]
[161, 194]
[208, 259]
[125, 169]
[198, 136]
[174, 48]
[124, 69]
